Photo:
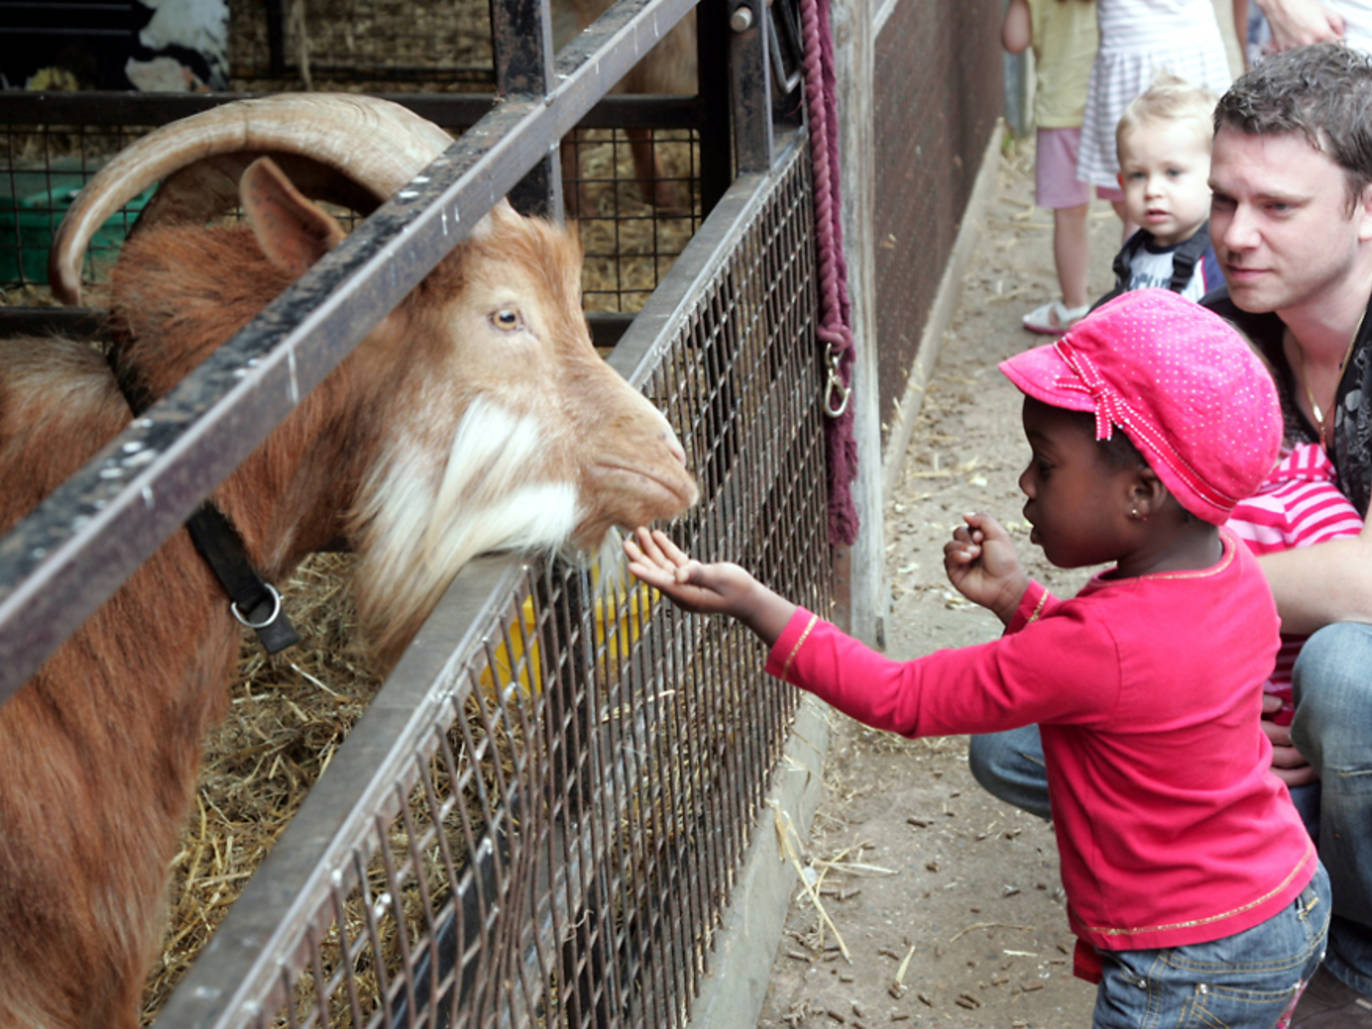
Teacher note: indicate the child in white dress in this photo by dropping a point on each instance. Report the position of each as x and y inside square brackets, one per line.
[1139, 39]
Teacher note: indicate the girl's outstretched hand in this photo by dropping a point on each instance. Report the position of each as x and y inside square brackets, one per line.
[982, 564]
[720, 588]
[715, 589]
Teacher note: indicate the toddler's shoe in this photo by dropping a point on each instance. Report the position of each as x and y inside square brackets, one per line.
[1053, 319]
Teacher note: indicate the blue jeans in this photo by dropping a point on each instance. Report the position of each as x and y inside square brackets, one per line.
[1246, 980]
[1332, 688]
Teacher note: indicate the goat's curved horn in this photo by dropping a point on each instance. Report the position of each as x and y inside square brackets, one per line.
[377, 144]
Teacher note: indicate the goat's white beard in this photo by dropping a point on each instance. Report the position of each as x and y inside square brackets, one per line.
[419, 521]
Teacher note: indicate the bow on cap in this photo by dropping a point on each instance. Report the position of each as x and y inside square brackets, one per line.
[1110, 408]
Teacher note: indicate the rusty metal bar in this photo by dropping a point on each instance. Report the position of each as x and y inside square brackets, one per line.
[522, 40]
[450, 110]
[454, 111]
[716, 132]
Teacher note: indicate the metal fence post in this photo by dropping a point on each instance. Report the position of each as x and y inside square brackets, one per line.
[751, 81]
[522, 45]
[860, 570]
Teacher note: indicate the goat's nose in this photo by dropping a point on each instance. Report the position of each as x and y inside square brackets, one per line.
[674, 445]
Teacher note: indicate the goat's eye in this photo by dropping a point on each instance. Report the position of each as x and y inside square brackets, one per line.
[507, 319]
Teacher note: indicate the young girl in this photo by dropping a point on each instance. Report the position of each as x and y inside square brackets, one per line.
[1063, 36]
[1194, 891]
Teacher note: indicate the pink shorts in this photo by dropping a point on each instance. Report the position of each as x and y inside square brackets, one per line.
[1055, 171]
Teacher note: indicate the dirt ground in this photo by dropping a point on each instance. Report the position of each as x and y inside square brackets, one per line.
[947, 901]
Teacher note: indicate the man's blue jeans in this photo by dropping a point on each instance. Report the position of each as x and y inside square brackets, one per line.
[1332, 687]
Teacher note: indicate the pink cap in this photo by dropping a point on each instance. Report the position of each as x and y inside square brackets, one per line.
[1179, 380]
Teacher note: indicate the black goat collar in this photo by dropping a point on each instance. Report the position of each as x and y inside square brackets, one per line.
[254, 602]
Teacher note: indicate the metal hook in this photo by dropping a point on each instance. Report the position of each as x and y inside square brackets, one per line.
[834, 387]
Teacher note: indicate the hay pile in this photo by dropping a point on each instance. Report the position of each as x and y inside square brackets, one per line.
[287, 716]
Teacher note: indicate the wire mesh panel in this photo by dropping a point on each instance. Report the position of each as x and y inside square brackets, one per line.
[42, 168]
[629, 243]
[632, 226]
[543, 825]
[635, 191]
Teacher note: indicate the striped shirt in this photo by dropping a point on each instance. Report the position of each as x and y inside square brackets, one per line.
[1297, 506]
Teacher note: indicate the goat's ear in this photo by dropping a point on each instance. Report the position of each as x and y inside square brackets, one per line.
[293, 232]
[501, 214]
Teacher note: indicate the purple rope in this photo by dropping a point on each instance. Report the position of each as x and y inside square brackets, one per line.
[835, 311]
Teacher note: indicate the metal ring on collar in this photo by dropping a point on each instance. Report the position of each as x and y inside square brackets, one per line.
[276, 610]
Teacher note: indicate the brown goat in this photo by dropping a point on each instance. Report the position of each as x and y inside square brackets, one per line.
[476, 416]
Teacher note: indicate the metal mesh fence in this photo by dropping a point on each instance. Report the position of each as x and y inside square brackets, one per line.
[543, 826]
[629, 242]
[635, 211]
[44, 167]
[633, 181]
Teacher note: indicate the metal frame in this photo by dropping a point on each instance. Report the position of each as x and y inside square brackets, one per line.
[63, 561]
[245, 970]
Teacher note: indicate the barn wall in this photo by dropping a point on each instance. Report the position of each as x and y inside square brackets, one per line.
[939, 92]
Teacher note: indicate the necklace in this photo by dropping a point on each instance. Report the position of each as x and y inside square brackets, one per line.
[1310, 394]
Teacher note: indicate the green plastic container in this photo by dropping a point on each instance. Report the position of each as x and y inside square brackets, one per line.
[30, 214]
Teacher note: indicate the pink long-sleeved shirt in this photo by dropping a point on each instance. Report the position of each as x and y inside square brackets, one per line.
[1171, 828]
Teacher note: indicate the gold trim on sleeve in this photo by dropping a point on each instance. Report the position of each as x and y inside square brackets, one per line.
[1038, 608]
[786, 666]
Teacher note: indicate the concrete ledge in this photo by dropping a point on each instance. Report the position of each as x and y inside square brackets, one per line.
[732, 992]
[740, 963]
